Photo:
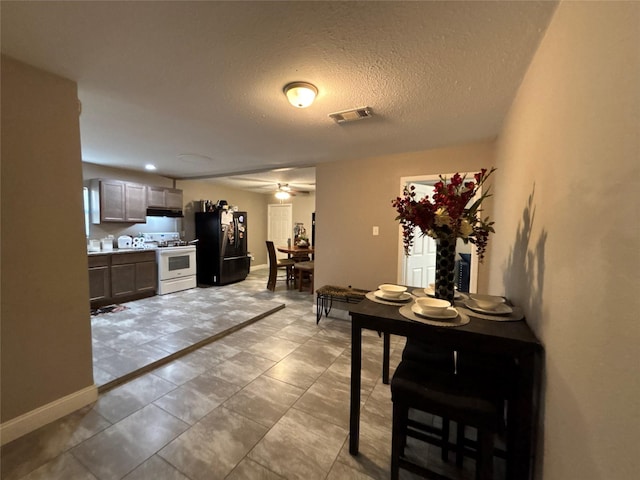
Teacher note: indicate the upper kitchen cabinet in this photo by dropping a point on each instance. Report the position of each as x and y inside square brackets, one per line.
[162, 197]
[118, 201]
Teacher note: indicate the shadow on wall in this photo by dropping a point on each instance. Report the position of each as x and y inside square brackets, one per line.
[525, 269]
[524, 282]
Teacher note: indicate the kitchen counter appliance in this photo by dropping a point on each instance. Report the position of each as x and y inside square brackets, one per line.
[124, 241]
[176, 261]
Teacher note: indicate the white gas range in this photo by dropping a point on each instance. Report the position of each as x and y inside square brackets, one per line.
[176, 261]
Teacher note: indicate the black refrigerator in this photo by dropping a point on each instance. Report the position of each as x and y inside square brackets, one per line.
[221, 251]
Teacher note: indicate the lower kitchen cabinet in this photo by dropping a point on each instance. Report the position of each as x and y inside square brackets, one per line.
[146, 273]
[125, 276]
[123, 280]
[99, 278]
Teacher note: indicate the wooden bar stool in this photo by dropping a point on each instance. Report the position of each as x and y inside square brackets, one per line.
[450, 396]
[435, 357]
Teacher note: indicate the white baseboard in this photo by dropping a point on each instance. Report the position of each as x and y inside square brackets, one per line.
[45, 414]
[259, 267]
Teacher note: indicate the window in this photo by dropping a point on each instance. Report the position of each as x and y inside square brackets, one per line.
[85, 197]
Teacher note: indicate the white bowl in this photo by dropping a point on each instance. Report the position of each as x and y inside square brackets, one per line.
[391, 291]
[432, 306]
[486, 302]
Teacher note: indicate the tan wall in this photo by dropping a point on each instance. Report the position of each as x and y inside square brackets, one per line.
[568, 188]
[354, 196]
[46, 335]
[91, 170]
[302, 210]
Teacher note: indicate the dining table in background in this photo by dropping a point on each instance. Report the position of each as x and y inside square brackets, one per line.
[514, 339]
[295, 252]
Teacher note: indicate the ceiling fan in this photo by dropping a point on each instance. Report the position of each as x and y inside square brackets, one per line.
[284, 191]
[300, 181]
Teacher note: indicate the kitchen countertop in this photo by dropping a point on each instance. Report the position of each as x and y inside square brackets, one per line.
[121, 250]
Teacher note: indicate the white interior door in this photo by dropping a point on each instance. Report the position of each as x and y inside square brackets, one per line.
[420, 265]
[280, 225]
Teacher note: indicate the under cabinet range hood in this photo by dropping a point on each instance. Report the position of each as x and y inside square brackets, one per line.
[164, 212]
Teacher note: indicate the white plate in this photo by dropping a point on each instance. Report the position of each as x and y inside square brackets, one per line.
[501, 309]
[402, 298]
[449, 313]
[431, 292]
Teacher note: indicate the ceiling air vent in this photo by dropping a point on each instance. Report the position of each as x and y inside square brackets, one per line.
[351, 115]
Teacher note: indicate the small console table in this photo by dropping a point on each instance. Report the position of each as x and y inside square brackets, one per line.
[330, 293]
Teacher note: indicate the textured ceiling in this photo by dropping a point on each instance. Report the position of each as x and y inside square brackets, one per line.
[196, 87]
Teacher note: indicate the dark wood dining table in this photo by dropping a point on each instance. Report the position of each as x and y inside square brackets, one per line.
[296, 252]
[513, 338]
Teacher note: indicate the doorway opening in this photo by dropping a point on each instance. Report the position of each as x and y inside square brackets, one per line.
[418, 268]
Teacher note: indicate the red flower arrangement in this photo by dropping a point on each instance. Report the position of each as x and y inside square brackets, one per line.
[447, 214]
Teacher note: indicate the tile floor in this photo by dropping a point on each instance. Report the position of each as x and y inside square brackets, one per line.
[269, 401]
[152, 329]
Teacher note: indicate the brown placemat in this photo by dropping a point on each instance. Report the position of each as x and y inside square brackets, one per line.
[371, 296]
[461, 319]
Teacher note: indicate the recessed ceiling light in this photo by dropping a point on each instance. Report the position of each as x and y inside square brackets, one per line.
[149, 166]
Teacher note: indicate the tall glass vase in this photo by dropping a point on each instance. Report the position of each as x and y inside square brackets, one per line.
[445, 267]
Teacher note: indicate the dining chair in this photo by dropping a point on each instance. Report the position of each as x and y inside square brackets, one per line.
[463, 399]
[275, 265]
[302, 270]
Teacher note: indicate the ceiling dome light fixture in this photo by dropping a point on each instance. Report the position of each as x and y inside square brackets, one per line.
[300, 94]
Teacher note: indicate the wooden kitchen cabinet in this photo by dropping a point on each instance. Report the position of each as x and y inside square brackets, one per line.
[110, 201]
[146, 273]
[123, 280]
[155, 197]
[162, 197]
[129, 276]
[99, 278]
[133, 273]
[135, 201]
[173, 198]
[118, 201]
